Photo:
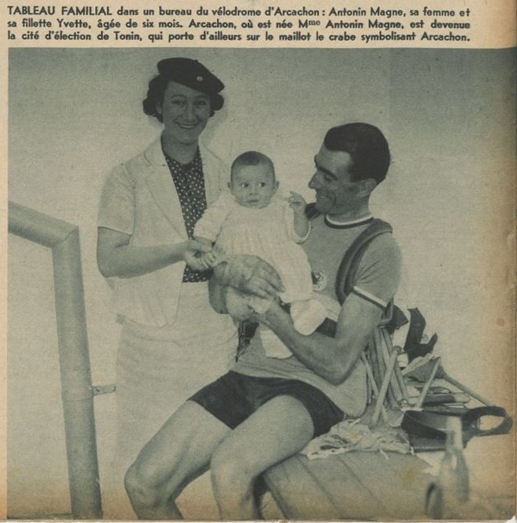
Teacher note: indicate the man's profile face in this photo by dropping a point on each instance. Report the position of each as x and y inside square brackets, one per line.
[335, 193]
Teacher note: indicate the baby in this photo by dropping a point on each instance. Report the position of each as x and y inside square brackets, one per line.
[253, 220]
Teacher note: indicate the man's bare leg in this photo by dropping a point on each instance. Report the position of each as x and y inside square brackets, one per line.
[279, 429]
[178, 453]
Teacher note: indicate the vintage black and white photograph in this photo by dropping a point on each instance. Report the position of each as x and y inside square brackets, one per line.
[261, 284]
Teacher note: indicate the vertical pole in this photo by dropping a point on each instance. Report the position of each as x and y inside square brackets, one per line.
[76, 384]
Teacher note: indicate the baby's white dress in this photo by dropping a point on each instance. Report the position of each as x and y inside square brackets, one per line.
[268, 233]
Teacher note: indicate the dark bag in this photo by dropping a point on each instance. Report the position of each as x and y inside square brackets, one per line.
[427, 429]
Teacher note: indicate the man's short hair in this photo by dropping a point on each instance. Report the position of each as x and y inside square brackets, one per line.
[367, 147]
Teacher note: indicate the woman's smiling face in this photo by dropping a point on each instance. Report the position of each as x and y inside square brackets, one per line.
[185, 113]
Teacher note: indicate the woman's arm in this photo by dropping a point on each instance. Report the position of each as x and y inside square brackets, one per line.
[116, 257]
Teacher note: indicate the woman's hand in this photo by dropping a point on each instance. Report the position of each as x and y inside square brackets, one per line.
[249, 274]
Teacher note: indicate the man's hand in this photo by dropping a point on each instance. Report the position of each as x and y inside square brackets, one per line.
[249, 274]
[269, 317]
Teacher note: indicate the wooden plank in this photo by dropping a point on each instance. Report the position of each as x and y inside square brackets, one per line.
[355, 485]
[345, 488]
[386, 349]
[374, 362]
[398, 480]
[298, 493]
[398, 372]
[320, 489]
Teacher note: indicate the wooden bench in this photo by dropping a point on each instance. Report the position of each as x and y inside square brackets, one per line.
[357, 485]
[362, 485]
[353, 485]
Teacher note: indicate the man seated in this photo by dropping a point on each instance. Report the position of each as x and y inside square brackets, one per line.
[265, 409]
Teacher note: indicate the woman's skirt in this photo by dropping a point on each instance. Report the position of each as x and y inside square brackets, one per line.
[158, 368]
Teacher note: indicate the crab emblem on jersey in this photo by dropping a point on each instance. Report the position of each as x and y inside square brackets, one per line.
[319, 281]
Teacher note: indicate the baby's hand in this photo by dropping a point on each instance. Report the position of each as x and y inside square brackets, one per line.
[209, 259]
[297, 202]
[198, 254]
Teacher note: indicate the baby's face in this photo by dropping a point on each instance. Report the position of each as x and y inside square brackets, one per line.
[253, 185]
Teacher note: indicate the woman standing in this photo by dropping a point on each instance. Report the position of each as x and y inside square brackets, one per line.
[172, 342]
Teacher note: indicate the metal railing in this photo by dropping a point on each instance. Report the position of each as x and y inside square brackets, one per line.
[74, 360]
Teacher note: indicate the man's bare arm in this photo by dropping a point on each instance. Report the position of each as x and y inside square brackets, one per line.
[331, 358]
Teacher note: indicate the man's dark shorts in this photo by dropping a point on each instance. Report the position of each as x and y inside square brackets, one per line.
[235, 397]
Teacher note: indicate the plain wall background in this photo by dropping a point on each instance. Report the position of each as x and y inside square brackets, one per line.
[447, 114]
